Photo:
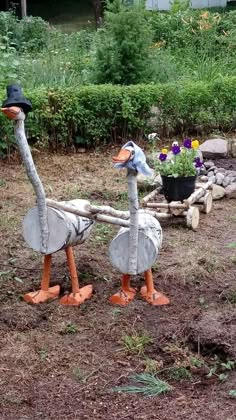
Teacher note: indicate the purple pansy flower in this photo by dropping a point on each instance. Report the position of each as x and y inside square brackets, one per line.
[162, 157]
[198, 163]
[188, 143]
[175, 149]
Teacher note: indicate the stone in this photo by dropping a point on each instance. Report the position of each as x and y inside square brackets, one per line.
[203, 171]
[230, 191]
[230, 173]
[203, 178]
[214, 148]
[210, 173]
[212, 168]
[226, 181]
[217, 192]
[221, 170]
[219, 178]
[208, 164]
[212, 179]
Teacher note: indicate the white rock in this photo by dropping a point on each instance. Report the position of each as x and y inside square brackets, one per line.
[210, 173]
[203, 178]
[214, 148]
[221, 170]
[230, 191]
[212, 179]
[217, 192]
[226, 181]
[219, 178]
[208, 164]
[230, 173]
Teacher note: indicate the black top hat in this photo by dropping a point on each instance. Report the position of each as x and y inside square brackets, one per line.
[16, 98]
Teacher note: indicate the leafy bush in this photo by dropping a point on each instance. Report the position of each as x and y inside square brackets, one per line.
[30, 33]
[122, 52]
[91, 114]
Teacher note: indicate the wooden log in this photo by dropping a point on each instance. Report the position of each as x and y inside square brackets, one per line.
[192, 218]
[65, 229]
[110, 211]
[149, 197]
[174, 205]
[198, 193]
[206, 185]
[81, 212]
[207, 202]
[149, 244]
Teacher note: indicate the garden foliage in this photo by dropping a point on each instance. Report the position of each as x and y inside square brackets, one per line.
[87, 87]
[91, 114]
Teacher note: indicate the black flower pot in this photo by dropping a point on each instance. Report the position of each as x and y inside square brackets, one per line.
[178, 189]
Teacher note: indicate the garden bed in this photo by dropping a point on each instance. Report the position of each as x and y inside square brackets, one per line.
[62, 362]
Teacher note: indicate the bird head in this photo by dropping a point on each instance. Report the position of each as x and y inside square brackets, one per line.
[124, 156]
[13, 112]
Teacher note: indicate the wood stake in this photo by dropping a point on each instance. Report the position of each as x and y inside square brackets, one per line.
[149, 197]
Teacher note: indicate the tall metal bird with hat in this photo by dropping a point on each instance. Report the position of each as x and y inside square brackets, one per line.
[45, 229]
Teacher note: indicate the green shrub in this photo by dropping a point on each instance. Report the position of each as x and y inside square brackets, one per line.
[30, 33]
[123, 46]
[94, 114]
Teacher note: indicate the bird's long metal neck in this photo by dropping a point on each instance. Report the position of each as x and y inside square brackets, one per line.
[35, 181]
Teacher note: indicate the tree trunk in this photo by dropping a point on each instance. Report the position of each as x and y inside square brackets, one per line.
[23, 8]
[98, 11]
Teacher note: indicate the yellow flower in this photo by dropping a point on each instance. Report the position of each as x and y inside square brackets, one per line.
[195, 144]
[164, 151]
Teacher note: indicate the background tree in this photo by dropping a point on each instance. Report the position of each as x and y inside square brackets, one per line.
[123, 47]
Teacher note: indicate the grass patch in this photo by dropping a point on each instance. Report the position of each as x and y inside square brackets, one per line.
[145, 384]
[135, 343]
[69, 329]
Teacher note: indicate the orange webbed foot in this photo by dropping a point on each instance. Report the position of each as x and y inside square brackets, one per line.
[154, 297]
[123, 297]
[75, 299]
[41, 296]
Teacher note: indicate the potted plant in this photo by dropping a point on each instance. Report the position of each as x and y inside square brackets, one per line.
[179, 168]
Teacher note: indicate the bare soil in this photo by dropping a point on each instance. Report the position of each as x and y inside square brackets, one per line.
[64, 362]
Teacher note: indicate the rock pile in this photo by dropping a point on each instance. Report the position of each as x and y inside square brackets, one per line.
[222, 177]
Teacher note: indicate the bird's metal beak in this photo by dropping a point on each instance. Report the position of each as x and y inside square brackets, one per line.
[12, 112]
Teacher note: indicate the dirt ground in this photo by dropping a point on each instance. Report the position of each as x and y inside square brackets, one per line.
[64, 362]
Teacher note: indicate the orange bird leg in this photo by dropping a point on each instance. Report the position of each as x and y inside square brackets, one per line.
[78, 295]
[149, 293]
[126, 293]
[45, 293]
